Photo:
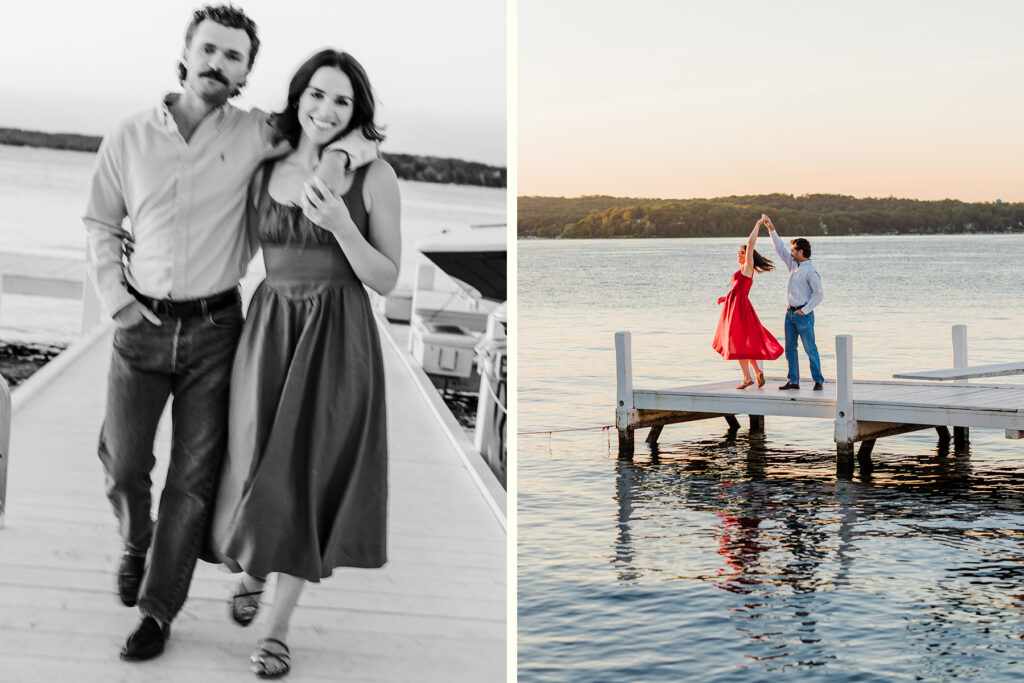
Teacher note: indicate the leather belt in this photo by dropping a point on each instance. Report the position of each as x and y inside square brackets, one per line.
[187, 308]
[797, 308]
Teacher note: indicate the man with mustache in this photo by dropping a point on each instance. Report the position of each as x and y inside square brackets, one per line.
[180, 174]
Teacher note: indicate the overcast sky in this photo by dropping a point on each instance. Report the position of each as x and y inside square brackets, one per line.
[438, 68]
[667, 98]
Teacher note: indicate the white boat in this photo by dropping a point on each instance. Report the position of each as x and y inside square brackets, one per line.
[475, 257]
[443, 331]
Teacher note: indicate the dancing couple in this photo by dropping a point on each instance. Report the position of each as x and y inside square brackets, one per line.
[740, 335]
[278, 459]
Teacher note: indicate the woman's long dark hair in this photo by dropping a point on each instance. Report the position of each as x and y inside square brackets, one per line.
[286, 123]
[761, 264]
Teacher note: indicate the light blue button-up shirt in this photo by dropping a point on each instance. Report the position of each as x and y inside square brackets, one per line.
[804, 280]
[185, 202]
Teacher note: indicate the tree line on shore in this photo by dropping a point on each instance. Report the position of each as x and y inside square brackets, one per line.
[427, 169]
[809, 215]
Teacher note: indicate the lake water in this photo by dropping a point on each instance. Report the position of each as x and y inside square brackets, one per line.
[43, 194]
[739, 557]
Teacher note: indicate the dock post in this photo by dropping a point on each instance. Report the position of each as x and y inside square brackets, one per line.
[961, 435]
[652, 436]
[625, 412]
[5, 444]
[844, 407]
[733, 422]
[864, 455]
[756, 423]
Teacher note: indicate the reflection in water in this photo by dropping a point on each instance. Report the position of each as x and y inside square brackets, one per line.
[794, 543]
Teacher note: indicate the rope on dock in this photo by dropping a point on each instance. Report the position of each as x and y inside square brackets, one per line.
[574, 429]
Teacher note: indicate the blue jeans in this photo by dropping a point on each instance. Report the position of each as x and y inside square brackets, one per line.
[189, 358]
[801, 326]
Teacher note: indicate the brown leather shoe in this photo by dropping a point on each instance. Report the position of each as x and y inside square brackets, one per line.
[760, 380]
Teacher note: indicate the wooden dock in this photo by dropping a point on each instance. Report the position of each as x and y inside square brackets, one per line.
[436, 612]
[863, 410]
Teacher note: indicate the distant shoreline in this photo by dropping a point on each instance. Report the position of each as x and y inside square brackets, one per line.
[819, 215]
[428, 169]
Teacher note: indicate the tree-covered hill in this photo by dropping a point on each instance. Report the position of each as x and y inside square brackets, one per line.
[811, 215]
[407, 166]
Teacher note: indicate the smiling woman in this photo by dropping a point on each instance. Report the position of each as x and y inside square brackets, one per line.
[314, 451]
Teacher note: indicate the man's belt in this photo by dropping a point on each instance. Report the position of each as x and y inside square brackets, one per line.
[797, 308]
[187, 308]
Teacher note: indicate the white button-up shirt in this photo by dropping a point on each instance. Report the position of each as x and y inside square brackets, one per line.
[804, 280]
[185, 201]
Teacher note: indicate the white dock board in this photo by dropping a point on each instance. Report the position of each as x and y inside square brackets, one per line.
[436, 612]
[994, 370]
[884, 401]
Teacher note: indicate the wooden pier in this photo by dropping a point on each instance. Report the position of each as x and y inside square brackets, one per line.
[436, 612]
[863, 410]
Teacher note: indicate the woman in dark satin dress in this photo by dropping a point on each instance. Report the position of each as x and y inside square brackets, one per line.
[304, 485]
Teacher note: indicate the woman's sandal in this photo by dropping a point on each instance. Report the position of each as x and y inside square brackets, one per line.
[760, 380]
[745, 384]
[268, 663]
[245, 604]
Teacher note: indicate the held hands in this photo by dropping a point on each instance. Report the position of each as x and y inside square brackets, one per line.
[321, 206]
[767, 221]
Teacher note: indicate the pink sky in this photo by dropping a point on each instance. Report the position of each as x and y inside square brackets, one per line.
[665, 99]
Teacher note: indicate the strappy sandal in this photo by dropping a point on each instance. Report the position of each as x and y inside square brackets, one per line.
[746, 384]
[760, 380]
[279, 663]
[245, 604]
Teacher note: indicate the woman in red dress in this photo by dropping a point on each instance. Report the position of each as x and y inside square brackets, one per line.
[740, 335]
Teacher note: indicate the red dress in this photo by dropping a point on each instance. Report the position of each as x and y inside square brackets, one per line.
[740, 335]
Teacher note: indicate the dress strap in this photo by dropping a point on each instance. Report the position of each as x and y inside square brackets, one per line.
[268, 169]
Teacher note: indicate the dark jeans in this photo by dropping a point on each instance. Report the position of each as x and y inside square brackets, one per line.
[801, 326]
[189, 358]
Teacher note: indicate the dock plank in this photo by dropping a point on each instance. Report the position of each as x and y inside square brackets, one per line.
[977, 371]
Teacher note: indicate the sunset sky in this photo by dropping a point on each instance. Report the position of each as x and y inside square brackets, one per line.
[439, 68]
[921, 99]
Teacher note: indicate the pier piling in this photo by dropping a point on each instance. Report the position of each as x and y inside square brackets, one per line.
[844, 430]
[625, 412]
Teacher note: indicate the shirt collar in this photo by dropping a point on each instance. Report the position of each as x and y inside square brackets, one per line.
[218, 115]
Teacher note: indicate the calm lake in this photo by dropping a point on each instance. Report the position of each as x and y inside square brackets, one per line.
[738, 557]
[43, 194]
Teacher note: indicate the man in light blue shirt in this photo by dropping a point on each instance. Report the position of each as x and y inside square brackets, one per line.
[804, 294]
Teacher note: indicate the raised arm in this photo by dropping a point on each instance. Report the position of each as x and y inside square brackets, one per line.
[748, 263]
[780, 247]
